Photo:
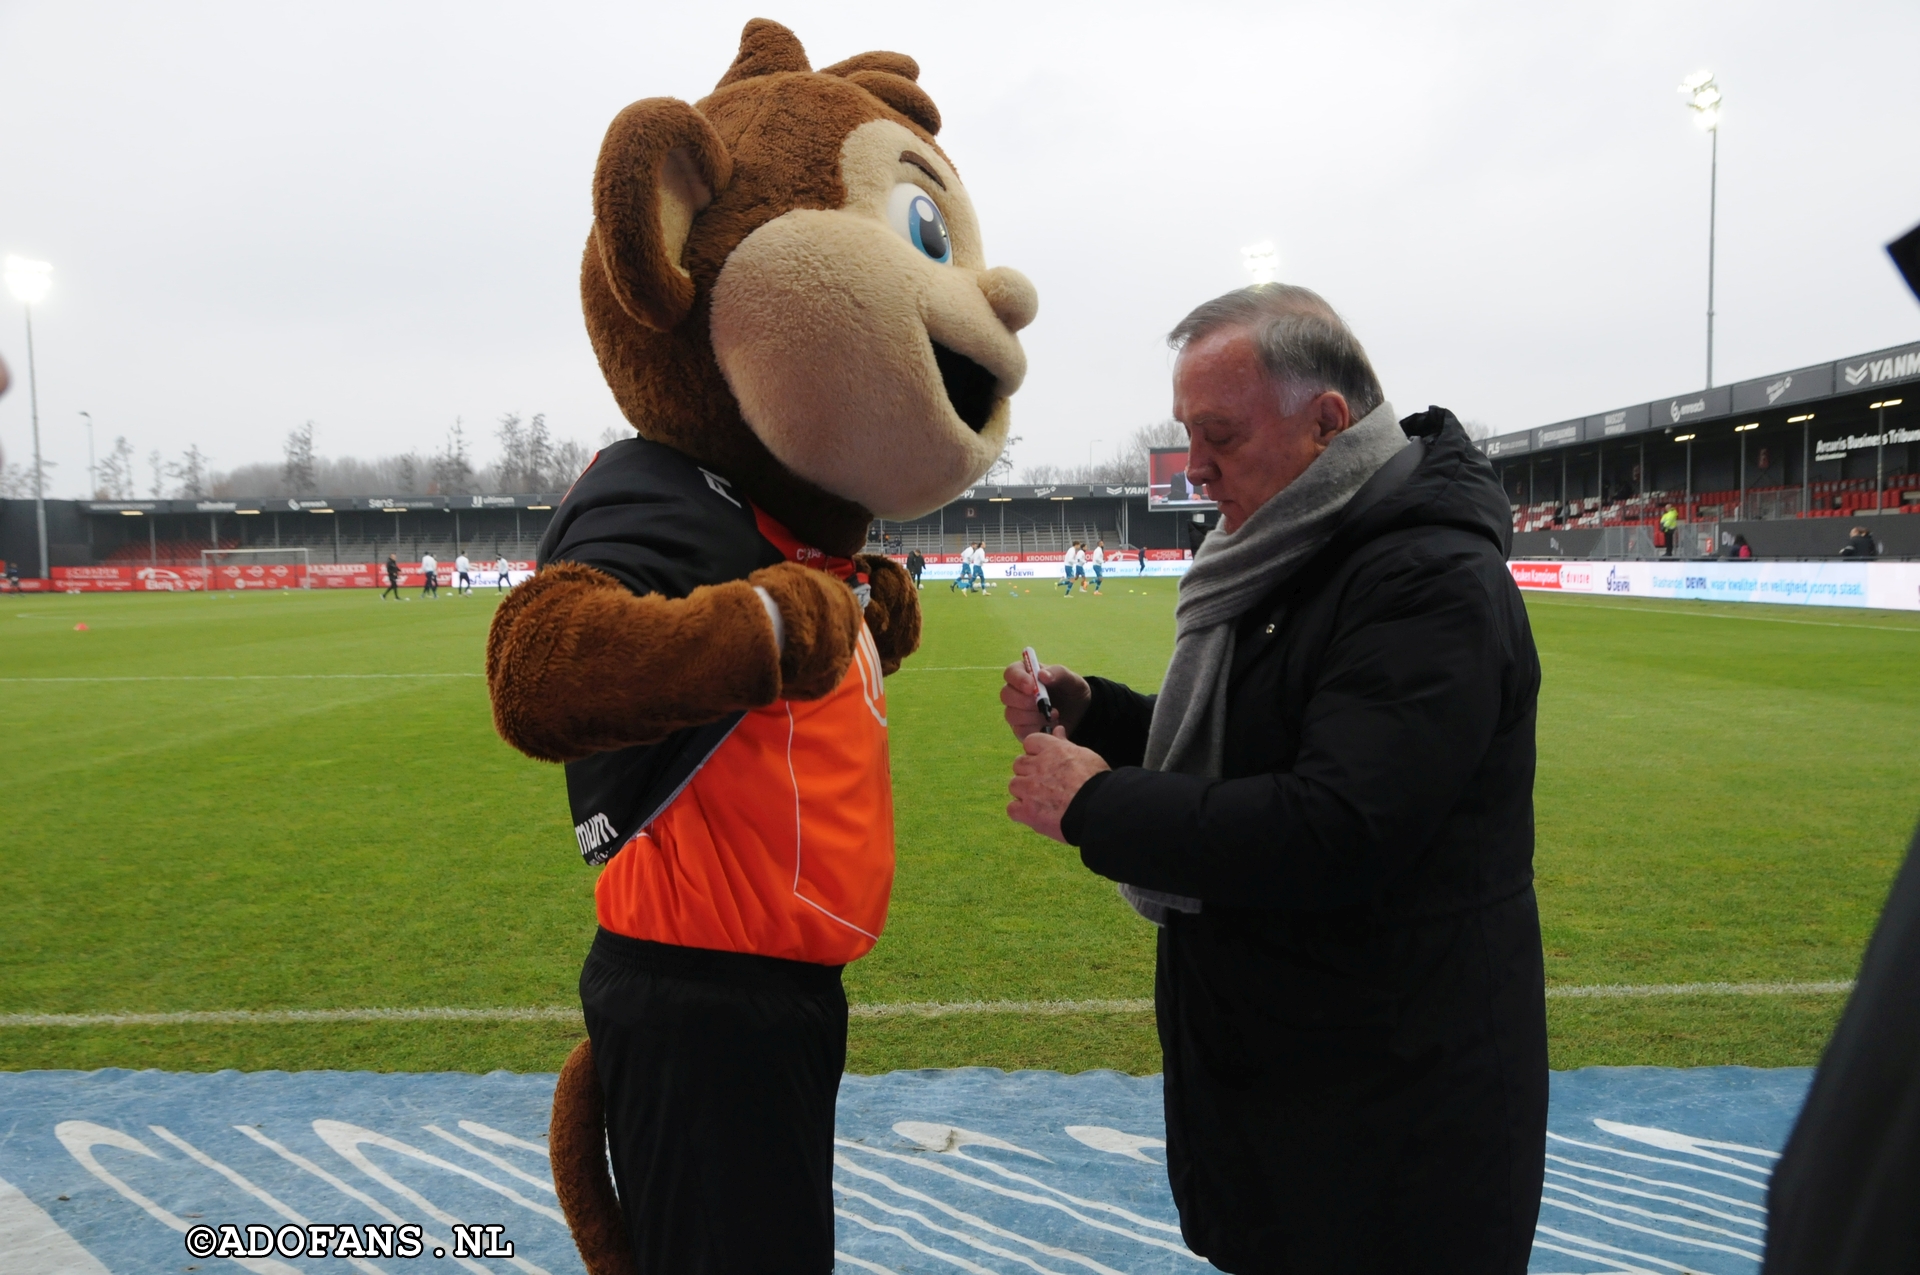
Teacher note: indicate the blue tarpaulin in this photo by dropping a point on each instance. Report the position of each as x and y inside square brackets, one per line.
[976, 1170]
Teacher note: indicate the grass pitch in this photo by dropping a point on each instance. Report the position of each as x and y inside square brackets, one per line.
[296, 801]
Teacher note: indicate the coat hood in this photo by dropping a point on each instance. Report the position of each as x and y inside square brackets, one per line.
[1450, 484]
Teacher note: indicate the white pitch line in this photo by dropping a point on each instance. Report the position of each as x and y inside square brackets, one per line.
[1627, 991]
[275, 1016]
[250, 677]
[899, 1009]
[1724, 615]
[940, 1009]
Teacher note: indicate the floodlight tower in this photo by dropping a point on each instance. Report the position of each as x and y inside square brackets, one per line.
[93, 483]
[29, 281]
[1703, 99]
[1262, 261]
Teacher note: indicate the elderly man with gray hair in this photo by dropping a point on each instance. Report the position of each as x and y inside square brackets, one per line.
[1328, 810]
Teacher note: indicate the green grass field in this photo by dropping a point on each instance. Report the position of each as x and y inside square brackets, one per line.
[293, 801]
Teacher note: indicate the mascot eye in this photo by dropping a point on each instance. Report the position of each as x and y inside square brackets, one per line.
[917, 218]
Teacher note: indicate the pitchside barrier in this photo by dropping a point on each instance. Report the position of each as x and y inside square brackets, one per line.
[1891, 586]
[234, 576]
[373, 575]
[1047, 567]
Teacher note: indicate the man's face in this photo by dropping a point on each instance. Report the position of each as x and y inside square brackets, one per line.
[1242, 448]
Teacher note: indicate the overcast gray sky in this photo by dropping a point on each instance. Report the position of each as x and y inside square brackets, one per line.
[370, 215]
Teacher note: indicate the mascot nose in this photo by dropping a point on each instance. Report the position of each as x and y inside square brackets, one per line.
[1011, 295]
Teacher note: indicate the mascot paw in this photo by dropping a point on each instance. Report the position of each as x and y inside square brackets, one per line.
[893, 612]
[577, 1144]
[822, 623]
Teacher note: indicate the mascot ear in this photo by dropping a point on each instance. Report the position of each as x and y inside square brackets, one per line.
[766, 48]
[660, 165]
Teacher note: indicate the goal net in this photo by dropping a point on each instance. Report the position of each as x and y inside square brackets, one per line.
[255, 568]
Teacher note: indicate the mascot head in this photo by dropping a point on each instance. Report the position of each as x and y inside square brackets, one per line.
[786, 282]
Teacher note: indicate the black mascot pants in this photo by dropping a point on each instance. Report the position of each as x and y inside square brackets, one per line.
[720, 1071]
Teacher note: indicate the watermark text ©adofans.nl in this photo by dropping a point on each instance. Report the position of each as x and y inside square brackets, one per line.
[343, 1239]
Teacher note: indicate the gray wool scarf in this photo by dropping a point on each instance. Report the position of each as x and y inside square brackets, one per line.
[1231, 572]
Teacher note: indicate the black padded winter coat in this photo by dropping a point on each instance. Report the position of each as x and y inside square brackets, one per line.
[1354, 1024]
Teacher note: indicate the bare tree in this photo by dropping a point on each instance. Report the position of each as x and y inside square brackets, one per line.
[570, 460]
[540, 457]
[1477, 430]
[452, 471]
[531, 459]
[115, 473]
[1001, 470]
[189, 473]
[16, 481]
[1166, 433]
[512, 465]
[1126, 465]
[298, 474]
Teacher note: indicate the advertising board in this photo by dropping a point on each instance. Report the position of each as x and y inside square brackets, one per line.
[1892, 586]
[1796, 386]
[234, 576]
[1689, 409]
[1556, 435]
[1618, 423]
[1901, 363]
[1046, 568]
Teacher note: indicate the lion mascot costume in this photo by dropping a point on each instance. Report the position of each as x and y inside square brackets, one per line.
[787, 293]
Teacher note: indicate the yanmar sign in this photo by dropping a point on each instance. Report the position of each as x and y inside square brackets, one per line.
[1895, 365]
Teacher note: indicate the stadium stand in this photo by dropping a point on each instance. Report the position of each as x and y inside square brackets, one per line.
[1840, 498]
[166, 553]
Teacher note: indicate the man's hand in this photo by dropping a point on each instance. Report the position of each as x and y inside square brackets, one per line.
[1066, 688]
[1046, 777]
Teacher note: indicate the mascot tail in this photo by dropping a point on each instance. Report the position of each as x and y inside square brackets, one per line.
[577, 1145]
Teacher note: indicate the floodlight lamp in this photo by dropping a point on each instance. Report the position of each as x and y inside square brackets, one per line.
[1704, 99]
[1262, 261]
[28, 280]
[1891, 402]
[1683, 438]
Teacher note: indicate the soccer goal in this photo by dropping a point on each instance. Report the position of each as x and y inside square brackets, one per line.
[255, 569]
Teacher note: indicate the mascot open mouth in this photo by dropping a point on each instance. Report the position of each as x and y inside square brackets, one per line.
[970, 387]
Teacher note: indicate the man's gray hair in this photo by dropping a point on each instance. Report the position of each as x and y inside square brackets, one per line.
[1304, 344]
